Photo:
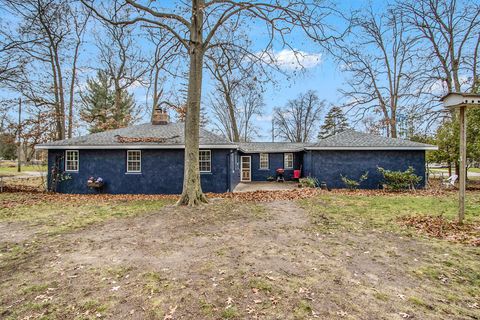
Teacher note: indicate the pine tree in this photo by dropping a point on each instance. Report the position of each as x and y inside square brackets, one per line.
[335, 122]
[99, 108]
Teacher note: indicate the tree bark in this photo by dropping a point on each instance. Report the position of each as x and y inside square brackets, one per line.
[72, 91]
[192, 190]
[233, 120]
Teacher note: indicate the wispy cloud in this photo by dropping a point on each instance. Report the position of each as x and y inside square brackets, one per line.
[265, 118]
[289, 59]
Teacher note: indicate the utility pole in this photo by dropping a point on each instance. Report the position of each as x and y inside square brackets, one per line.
[273, 129]
[19, 130]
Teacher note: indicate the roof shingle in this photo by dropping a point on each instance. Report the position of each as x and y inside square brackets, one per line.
[144, 134]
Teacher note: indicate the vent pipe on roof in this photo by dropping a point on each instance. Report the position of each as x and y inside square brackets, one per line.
[160, 117]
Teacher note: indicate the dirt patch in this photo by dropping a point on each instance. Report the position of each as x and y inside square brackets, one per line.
[16, 232]
[227, 259]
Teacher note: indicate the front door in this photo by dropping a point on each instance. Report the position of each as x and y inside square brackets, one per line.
[246, 168]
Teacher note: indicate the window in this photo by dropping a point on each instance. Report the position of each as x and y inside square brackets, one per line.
[134, 161]
[264, 161]
[205, 161]
[71, 160]
[288, 161]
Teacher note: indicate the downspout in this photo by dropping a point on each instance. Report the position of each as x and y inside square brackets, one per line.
[229, 178]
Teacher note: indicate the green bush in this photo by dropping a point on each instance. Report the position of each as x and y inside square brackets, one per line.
[308, 182]
[354, 184]
[400, 180]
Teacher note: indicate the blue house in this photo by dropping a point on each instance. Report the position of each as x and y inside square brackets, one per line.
[149, 159]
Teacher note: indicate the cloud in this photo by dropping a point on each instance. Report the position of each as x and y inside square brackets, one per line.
[289, 59]
[265, 118]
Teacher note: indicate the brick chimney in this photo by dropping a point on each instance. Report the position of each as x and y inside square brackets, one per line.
[160, 117]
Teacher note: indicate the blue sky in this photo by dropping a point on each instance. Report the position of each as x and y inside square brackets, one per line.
[323, 77]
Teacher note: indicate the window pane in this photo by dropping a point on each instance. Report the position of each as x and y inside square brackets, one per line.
[205, 161]
[288, 160]
[134, 161]
[71, 160]
[263, 160]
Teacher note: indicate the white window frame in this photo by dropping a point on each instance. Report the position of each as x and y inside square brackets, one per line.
[206, 161]
[285, 161]
[264, 160]
[134, 161]
[77, 160]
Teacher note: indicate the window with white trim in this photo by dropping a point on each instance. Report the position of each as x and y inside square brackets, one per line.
[134, 161]
[288, 161]
[263, 161]
[205, 160]
[71, 160]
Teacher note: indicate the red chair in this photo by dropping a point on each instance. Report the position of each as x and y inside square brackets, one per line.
[296, 174]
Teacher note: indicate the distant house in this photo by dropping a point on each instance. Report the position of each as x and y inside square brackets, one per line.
[149, 159]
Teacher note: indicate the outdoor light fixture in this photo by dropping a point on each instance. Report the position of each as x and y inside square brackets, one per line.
[462, 101]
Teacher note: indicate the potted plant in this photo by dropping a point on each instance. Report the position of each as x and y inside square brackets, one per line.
[95, 183]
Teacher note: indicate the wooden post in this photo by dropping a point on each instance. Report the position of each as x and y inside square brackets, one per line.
[19, 129]
[463, 158]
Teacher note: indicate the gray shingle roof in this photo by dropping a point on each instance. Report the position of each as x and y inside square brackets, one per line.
[351, 139]
[143, 134]
[270, 147]
[172, 135]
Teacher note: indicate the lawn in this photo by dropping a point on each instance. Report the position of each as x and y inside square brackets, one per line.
[335, 255]
[12, 170]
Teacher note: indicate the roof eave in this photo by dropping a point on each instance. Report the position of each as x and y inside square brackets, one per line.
[268, 151]
[131, 146]
[373, 148]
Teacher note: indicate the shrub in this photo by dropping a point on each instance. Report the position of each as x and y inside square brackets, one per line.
[400, 180]
[308, 182]
[354, 184]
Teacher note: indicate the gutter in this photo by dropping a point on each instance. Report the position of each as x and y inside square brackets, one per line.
[373, 148]
[130, 146]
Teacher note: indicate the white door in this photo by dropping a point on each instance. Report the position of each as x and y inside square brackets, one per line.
[246, 174]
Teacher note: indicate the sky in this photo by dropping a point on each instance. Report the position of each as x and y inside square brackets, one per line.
[320, 72]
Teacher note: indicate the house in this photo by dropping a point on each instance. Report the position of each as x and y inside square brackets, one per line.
[149, 159]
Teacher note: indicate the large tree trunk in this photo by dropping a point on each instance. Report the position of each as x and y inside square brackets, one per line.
[192, 190]
[72, 91]
[58, 120]
[233, 120]
[61, 93]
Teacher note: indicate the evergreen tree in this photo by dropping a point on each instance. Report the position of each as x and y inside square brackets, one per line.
[335, 122]
[99, 108]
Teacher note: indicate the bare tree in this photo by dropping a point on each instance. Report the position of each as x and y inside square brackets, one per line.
[122, 60]
[380, 59]
[297, 121]
[451, 31]
[238, 95]
[45, 34]
[199, 25]
[234, 105]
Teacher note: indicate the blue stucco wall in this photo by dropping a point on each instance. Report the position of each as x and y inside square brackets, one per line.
[234, 169]
[329, 165]
[275, 161]
[162, 172]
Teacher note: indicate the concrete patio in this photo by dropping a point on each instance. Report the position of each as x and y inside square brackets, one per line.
[265, 186]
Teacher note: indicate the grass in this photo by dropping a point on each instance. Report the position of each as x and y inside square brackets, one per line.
[235, 260]
[450, 272]
[13, 170]
[65, 214]
[358, 211]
